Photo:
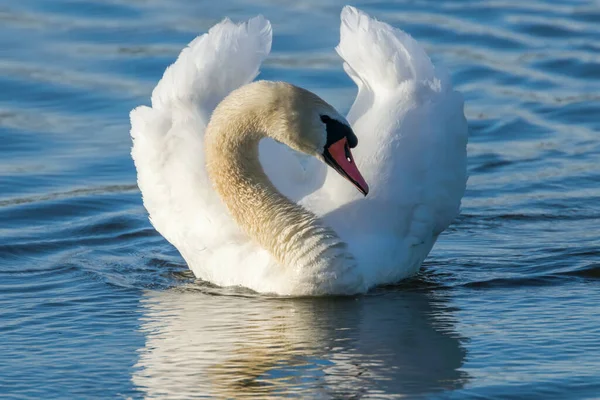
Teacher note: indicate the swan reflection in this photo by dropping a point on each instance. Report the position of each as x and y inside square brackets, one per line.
[200, 344]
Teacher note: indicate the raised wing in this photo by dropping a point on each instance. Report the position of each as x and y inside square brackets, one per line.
[378, 58]
[168, 138]
[213, 65]
[412, 136]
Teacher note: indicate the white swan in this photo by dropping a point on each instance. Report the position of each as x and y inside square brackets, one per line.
[299, 228]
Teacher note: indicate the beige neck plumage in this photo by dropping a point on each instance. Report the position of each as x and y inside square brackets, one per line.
[294, 236]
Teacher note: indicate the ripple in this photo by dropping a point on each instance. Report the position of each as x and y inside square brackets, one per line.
[70, 194]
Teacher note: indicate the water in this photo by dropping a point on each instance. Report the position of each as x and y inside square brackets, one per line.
[95, 304]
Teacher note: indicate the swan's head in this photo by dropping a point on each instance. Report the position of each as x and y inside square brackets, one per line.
[306, 123]
[336, 151]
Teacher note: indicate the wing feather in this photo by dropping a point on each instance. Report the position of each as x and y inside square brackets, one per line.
[168, 138]
[412, 133]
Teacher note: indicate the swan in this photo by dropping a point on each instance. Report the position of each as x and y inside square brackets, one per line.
[262, 184]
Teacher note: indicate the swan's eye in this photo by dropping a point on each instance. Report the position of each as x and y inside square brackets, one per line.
[337, 130]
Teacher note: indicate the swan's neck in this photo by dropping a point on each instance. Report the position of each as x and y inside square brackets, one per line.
[293, 235]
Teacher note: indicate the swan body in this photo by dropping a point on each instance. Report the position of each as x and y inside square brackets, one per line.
[230, 174]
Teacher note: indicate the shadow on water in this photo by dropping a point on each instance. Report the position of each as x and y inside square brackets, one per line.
[389, 342]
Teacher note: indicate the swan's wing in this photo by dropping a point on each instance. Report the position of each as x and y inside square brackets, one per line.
[379, 59]
[412, 134]
[213, 65]
[168, 138]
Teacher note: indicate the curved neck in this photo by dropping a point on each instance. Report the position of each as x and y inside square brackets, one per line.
[292, 234]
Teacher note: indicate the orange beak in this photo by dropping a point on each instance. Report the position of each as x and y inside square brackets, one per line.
[339, 157]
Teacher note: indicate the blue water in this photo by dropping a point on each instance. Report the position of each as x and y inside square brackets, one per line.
[95, 304]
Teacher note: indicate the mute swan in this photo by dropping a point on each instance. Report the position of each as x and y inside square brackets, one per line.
[271, 216]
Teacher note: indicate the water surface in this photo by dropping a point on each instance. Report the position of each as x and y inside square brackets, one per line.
[95, 304]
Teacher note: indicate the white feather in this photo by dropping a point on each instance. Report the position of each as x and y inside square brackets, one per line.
[412, 152]
[168, 138]
[412, 137]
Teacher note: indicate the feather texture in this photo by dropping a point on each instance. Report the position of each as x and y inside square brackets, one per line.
[412, 137]
[412, 151]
